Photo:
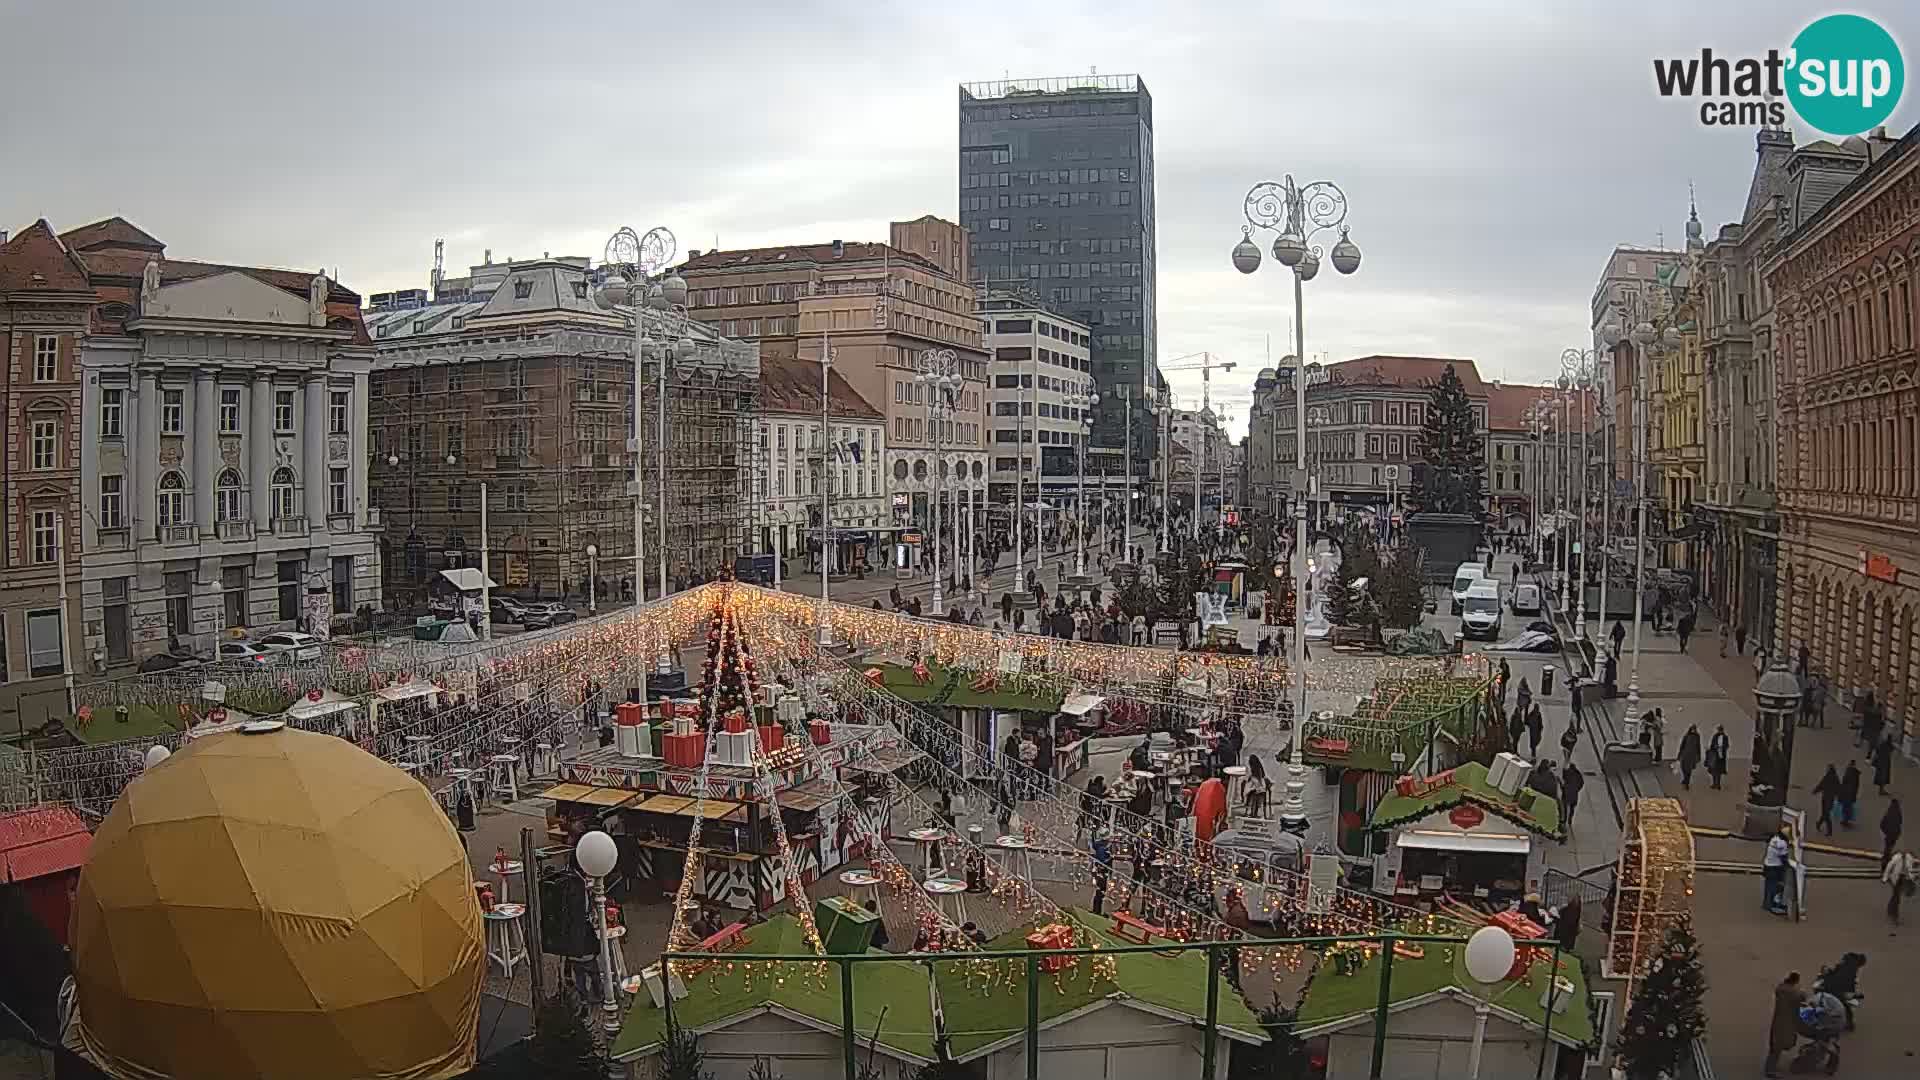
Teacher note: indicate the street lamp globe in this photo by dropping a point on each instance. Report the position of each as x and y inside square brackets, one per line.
[1309, 266]
[1346, 254]
[1564, 383]
[656, 298]
[453, 459]
[611, 293]
[675, 290]
[393, 460]
[1490, 954]
[684, 349]
[1670, 337]
[597, 853]
[1289, 248]
[1643, 334]
[1246, 253]
[1610, 334]
[593, 551]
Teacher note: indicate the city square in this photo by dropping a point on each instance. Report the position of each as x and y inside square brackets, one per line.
[661, 659]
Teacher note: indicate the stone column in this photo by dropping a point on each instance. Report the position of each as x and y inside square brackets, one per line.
[205, 436]
[313, 445]
[259, 444]
[358, 447]
[143, 468]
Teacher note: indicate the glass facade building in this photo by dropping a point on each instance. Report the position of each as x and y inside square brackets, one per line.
[1056, 194]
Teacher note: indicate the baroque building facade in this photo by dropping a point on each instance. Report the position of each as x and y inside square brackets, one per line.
[1843, 279]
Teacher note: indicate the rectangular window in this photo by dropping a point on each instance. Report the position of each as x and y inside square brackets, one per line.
[110, 405]
[45, 537]
[456, 498]
[456, 441]
[337, 503]
[337, 412]
[46, 358]
[112, 506]
[233, 594]
[342, 583]
[179, 589]
[118, 620]
[283, 411]
[46, 644]
[229, 411]
[44, 441]
[172, 411]
[289, 590]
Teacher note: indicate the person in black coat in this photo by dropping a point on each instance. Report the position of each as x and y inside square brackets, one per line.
[1536, 726]
[1829, 791]
[1516, 726]
[1883, 764]
[1890, 825]
[1572, 783]
[1849, 794]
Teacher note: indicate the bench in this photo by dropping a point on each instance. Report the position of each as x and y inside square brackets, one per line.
[728, 940]
[1128, 928]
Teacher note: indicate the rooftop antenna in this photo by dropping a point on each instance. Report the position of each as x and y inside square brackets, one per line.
[439, 251]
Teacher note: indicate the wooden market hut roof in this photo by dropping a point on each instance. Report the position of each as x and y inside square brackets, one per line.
[954, 686]
[1467, 784]
[1335, 1000]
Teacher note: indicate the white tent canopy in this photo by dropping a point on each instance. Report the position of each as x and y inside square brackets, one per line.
[468, 579]
[1081, 704]
[329, 702]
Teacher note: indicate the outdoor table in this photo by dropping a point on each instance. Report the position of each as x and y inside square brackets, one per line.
[1016, 857]
[926, 838]
[506, 938]
[503, 871]
[858, 880]
[950, 897]
[1236, 782]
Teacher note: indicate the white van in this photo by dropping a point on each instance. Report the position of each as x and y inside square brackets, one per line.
[1480, 611]
[1463, 579]
[1526, 599]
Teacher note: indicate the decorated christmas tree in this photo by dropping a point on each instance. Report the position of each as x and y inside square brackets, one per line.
[1340, 606]
[1401, 599]
[1666, 1014]
[1452, 476]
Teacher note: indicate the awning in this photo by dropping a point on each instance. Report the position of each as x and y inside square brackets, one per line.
[608, 796]
[1485, 843]
[567, 792]
[403, 691]
[685, 806]
[308, 709]
[1081, 704]
[811, 795]
[468, 579]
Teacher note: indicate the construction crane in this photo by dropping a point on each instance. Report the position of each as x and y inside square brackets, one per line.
[1206, 367]
[1208, 362]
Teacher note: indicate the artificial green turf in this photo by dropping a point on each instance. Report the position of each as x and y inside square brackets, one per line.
[143, 722]
[899, 680]
[899, 988]
[1470, 786]
[981, 1015]
[1332, 996]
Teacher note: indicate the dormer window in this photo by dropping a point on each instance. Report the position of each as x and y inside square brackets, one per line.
[522, 288]
[580, 290]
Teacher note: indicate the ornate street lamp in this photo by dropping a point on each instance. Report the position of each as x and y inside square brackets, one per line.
[939, 373]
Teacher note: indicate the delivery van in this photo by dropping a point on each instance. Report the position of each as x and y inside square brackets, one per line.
[1480, 610]
[1463, 579]
[1526, 599]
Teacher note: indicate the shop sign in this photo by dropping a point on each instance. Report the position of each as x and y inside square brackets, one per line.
[1878, 566]
[1467, 816]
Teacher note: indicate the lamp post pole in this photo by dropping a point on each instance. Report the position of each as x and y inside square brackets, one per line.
[1166, 473]
[1296, 215]
[826, 490]
[593, 571]
[1020, 489]
[1126, 497]
[1582, 367]
[1643, 338]
[939, 373]
[1084, 404]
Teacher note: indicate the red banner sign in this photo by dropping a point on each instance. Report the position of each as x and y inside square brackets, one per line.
[1467, 816]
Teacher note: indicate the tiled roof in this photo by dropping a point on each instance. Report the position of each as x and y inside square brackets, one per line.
[1508, 403]
[130, 265]
[793, 386]
[821, 254]
[41, 841]
[37, 260]
[1409, 371]
[114, 232]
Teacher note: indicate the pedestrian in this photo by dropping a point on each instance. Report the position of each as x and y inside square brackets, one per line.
[1803, 661]
[1685, 629]
[1535, 726]
[1783, 1031]
[1506, 676]
[1740, 639]
[1569, 739]
[1883, 764]
[1566, 924]
[1526, 694]
[1724, 635]
[1898, 875]
[1516, 727]
[1618, 634]
[1689, 754]
[1849, 795]
[1829, 791]
[1773, 872]
[1891, 823]
[1571, 784]
[1716, 759]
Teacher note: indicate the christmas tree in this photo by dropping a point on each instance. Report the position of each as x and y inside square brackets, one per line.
[1340, 605]
[561, 1048]
[1666, 1014]
[1401, 600]
[1452, 478]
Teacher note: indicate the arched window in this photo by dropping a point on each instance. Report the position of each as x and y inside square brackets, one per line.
[173, 498]
[281, 493]
[229, 498]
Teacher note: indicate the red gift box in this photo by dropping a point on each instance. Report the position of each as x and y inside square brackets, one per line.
[736, 722]
[683, 751]
[1052, 936]
[821, 732]
[1523, 930]
[772, 737]
[666, 708]
[628, 714]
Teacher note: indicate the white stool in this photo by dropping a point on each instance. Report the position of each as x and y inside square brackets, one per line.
[950, 897]
[503, 777]
[927, 838]
[506, 938]
[417, 750]
[1016, 858]
[545, 762]
[614, 953]
[501, 873]
[1236, 784]
[466, 778]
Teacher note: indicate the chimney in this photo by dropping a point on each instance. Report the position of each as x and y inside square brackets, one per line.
[488, 258]
[839, 248]
[693, 253]
[3, 236]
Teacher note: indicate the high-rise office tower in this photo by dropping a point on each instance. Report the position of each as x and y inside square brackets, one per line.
[1056, 193]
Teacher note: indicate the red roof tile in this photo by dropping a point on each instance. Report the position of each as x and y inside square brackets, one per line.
[793, 386]
[37, 260]
[1508, 403]
[52, 857]
[38, 825]
[114, 232]
[1410, 371]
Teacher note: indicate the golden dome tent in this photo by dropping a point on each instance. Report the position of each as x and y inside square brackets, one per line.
[273, 902]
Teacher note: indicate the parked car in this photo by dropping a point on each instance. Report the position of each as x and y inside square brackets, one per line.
[546, 613]
[505, 609]
[168, 661]
[1526, 599]
[230, 651]
[301, 646]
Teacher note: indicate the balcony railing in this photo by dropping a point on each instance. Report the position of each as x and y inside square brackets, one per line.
[235, 529]
[293, 527]
[179, 534]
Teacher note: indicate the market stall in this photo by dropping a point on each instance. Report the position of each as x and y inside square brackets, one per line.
[1080, 716]
[1465, 832]
[326, 711]
[986, 706]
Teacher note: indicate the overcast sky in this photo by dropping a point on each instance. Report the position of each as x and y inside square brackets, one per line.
[1492, 153]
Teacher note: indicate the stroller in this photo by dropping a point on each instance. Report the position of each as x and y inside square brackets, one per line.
[1822, 1019]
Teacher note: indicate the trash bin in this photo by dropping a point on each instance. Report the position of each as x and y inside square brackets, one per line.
[1546, 681]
